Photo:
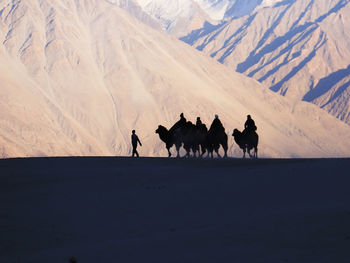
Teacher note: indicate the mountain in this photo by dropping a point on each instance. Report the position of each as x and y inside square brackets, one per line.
[177, 17]
[299, 49]
[77, 77]
[180, 17]
[132, 7]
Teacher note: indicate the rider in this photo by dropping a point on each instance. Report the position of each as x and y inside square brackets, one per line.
[182, 119]
[216, 124]
[179, 124]
[199, 122]
[249, 125]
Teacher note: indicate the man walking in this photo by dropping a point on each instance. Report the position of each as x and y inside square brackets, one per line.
[134, 141]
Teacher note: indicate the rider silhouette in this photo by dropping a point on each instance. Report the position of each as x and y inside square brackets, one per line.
[249, 125]
[179, 124]
[199, 122]
[216, 124]
[182, 119]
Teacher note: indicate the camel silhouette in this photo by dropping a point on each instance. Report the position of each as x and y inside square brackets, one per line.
[247, 142]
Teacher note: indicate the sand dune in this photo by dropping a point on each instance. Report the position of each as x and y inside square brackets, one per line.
[174, 210]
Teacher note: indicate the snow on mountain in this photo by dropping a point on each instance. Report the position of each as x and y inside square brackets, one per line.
[239, 8]
[77, 77]
[174, 15]
[214, 8]
[132, 7]
[177, 17]
[300, 49]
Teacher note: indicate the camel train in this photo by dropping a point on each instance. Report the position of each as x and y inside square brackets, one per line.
[198, 139]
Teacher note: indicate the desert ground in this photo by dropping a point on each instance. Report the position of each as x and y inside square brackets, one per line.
[120, 209]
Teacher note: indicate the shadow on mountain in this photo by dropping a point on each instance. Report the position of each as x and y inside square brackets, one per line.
[242, 8]
[204, 31]
[298, 35]
[255, 56]
[296, 69]
[241, 32]
[285, 2]
[296, 30]
[328, 82]
[301, 33]
[335, 9]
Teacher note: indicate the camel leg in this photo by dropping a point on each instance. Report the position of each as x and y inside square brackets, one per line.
[203, 151]
[244, 153]
[178, 151]
[169, 153]
[195, 153]
[217, 152]
[225, 150]
[224, 146]
[256, 152]
[187, 152]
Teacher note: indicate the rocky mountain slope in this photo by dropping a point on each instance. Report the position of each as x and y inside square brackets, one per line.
[77, 77]
[300, 49]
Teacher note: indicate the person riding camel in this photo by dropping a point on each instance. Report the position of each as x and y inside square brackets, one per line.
[179, 124]
[182, 119]
[199, 122]
[249, 125]
[216, 124]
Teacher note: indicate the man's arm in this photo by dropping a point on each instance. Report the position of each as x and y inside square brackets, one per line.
[139, 141]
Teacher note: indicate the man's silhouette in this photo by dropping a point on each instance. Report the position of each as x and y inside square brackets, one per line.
[249, 125]
[199, 122]
[179, 124]
[182, 119]
[134, 141]
[216, 124]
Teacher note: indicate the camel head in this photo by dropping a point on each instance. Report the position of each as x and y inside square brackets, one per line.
[236, 133]
[161, 129]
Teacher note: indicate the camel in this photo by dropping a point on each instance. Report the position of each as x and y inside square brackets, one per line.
[170, 138]
[247, 141]
[194, 138]
[185, 136]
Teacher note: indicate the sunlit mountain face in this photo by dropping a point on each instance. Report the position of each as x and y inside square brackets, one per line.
[299, 49]
[78, 76]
